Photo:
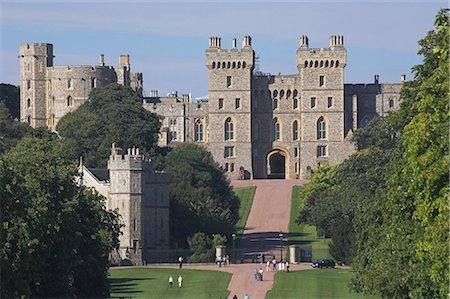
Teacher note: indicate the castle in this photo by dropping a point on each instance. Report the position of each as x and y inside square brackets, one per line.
[255, 125]
[141, 197]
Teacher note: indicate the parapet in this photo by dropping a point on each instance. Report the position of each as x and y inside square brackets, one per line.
[336, 41]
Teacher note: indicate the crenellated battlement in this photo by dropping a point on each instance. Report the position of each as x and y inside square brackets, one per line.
[221, 59]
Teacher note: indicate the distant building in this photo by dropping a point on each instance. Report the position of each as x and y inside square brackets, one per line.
[256, 124]
[141, 197]
[48, 92]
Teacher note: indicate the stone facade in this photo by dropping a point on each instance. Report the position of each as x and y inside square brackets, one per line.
[275, 126]
[49, 92]
[256, 125]
[141, 197]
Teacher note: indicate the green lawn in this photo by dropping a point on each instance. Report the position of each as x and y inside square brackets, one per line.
[317, 283]
[246, 195]
[154, 283]
[305, 234]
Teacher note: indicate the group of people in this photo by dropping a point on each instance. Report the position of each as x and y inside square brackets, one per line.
[258, 275]
[272, 265]
[180, 281]
[223, 261]
[245, 297]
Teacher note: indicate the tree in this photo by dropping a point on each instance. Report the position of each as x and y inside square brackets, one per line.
[112, 114]
[9, 96]
[200, 194]
[56, 236]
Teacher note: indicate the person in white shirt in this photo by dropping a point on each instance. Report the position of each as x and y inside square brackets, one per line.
[180, 281]
[171, 280]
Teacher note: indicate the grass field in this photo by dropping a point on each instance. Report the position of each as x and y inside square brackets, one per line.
[246, 195]
[153, 283]
[305, 234]
[311, 284]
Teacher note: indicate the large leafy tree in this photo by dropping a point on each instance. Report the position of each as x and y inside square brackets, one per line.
[112, 114]
[55, 235]
[200, 194]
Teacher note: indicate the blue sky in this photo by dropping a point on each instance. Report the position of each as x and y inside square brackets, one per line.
[167, 40]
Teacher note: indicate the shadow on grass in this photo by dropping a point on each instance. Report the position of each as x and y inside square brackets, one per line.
[126, 285]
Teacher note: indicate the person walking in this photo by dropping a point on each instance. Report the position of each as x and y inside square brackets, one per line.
[261, 274]
[235, 296]
[180, 281]
[287, 266]
[246, 296]
[180, 261]
[268, 266]
[274, 264]
[171, 280]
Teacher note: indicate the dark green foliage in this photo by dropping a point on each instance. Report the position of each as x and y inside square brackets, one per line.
[55, 235]
[10, 97]
[201, 196]
[112, 114]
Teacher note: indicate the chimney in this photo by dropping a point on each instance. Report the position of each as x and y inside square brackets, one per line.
[304, 42]
[247, 42]
[402, 77]
[234, 43]
[102, 60]
[154, 93]
[376, 79]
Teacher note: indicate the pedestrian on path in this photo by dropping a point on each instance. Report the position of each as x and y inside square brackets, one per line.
[235, 297]
[268, 266]
[180, 281]
[261, 274]
[171, 280]
[274, 264]
[246, 296]
[287, 266]
[180, 261]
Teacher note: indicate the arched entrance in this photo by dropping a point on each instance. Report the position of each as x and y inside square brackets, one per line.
[276, 164]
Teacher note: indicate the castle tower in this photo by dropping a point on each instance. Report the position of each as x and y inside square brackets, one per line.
[321, 73]
[34, 60]
[123, 70]
[229, 90]
[125, 174]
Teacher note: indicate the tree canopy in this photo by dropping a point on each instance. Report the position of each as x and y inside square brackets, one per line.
[200, 194]
[9, 96]
[56, 236]
[113, 114]
[387, 208]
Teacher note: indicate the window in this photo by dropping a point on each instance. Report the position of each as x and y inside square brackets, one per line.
[321, 129]
[276, 130]
[321, 151]
[134, 225]
[220, 103]
[28, 102]
[229, 129]
[226, 167]
[296, 167]
[93, 82]
[321, 81]
[391, 103]
[173, 135]
[295, 152]
[69, 84]
[198, 130]
[330, 102]
[232, 167]
[29, 120]
[229, 152]
[295, 130]
[313, 102]
[295, 103]
[275, 104]
[173, 122]
[69, 101]
[28, 84]
[229, 81]
[238, 103]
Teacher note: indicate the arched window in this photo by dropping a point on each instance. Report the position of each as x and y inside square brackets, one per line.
[295, 130]
[276, 129]
[214, 65]
[321, 129]
[281, 93]
[228, 64]
[223, 65]
[295, 93]
[229, 129]
[288, 93]
[332, 63]
[29, 120]
[234, 64]
[256, 131]
[275, 93]
[295, 103]
[69, 101]
[275, 104]
[218, 65]
[239, 64]
[198, 130]
[306, 63]
[310, 63]
[28, 103]
[326, 63]
[316, 63]
[337, 63]
[244, 64]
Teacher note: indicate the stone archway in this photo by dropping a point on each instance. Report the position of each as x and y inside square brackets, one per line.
[276, 164]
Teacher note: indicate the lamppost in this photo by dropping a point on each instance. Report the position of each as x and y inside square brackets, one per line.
[281, 246]
[234, 238]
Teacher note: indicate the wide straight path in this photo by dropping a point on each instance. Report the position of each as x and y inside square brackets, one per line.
[269, 216]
